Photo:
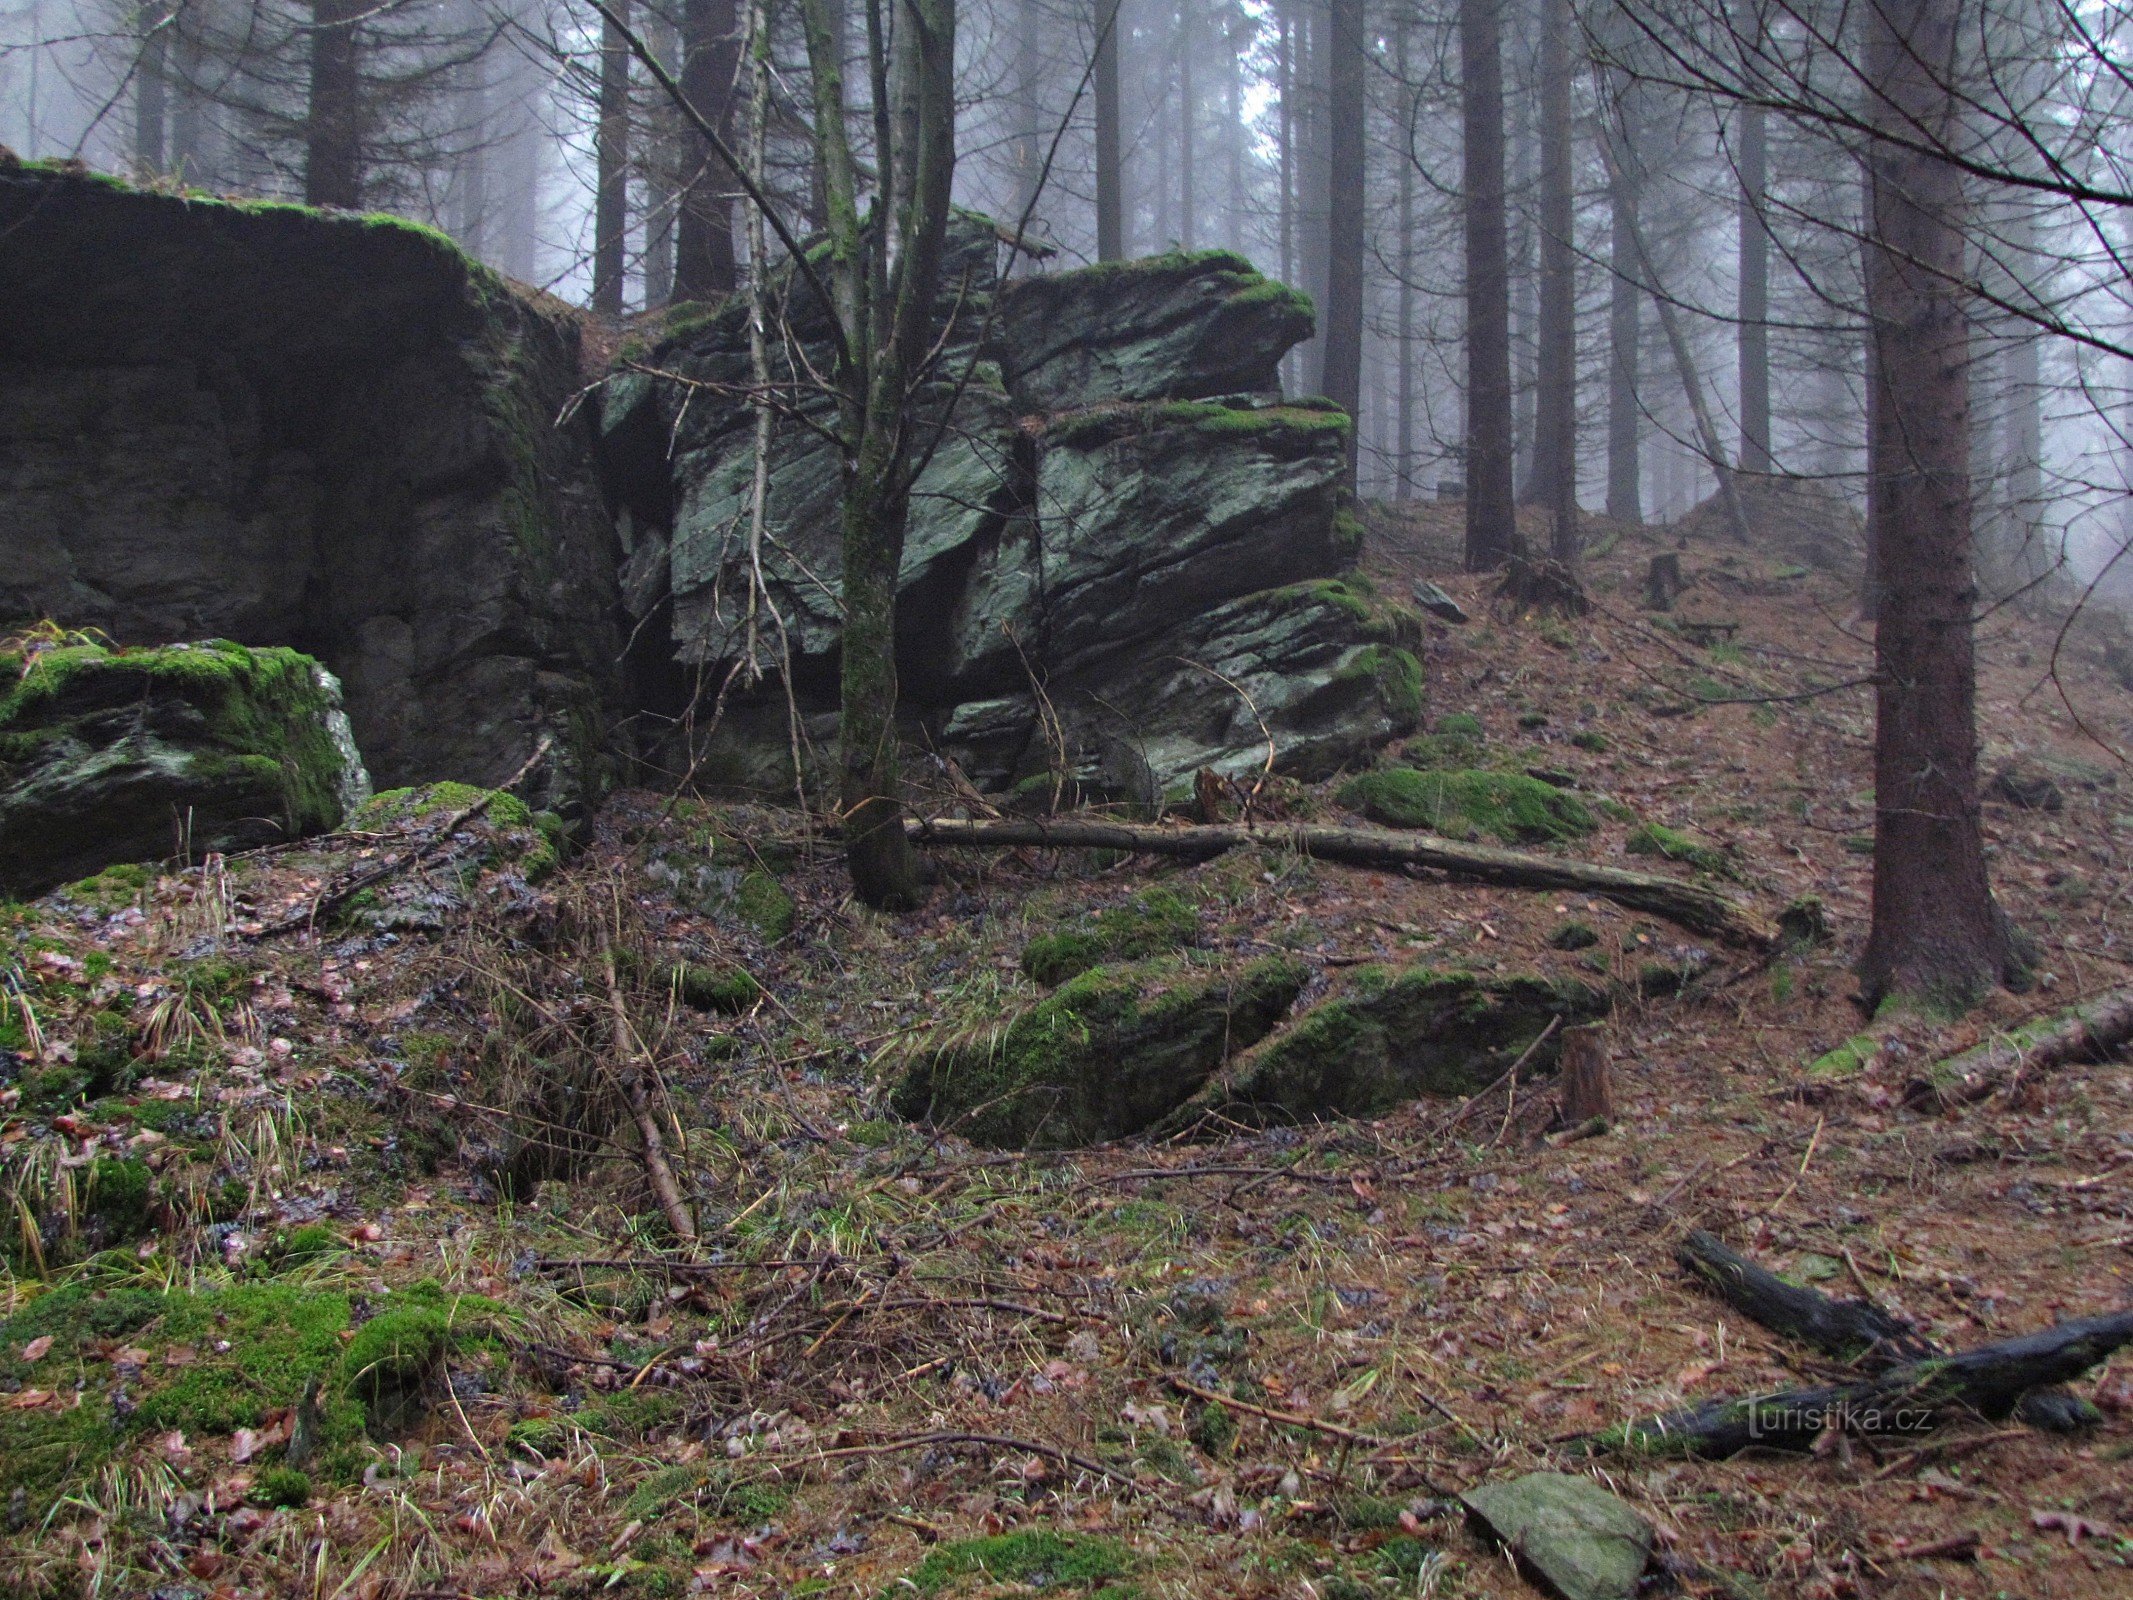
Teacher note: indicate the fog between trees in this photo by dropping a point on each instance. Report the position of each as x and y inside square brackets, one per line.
[1729, 138]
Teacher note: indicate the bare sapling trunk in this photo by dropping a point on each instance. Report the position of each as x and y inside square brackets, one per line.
[1936, 935]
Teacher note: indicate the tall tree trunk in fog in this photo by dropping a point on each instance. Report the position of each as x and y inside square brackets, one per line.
[611, 140]
[1404, 481]
[333, 130]
[1521, 133]
[1491, 528]
[1233, 131]
[1936, 932]
[150, 73]
[884, 291]
[1315, 182]
[1619, 136]
[1754, 294]
[1188, 201]
[1341, 369]
[1110, 174]
[666, 147]
[703, 232]
[1029, 105]
[1285, 94]
[1555, 450]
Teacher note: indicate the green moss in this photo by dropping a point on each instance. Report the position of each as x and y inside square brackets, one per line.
[115, 888]
[435, 802]
[1151, 923]
[710, 988]
[301, 1247]
[1397, 674]
[761, 901]
[1469, 804]
[103, 1052]
[1657, 839]
[1574, 936]
[281, 1486]
[1592, 739]
[1108, 1053]
[1853, 1056]
[1033, 1558]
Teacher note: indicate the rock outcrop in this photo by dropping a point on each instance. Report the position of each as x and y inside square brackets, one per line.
[256, 421]
[109, 756]
[1128, 555]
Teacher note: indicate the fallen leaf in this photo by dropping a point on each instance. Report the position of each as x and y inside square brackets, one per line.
[2075, 1528]
[28, 1399]
[36, 1348]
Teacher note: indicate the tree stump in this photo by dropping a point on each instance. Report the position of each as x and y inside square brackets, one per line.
[1588, 1093]
[1663, 582]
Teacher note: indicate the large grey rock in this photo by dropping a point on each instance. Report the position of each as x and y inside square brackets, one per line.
[1104, 585]
[1171, 327]
[108, 757]
[1576, 1538]
[283, 426]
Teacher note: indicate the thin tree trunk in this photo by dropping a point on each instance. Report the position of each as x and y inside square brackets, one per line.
[1233, 135]
[1754, 319]
[704, 262]
[1029, 105]
[1404, 487]
[1188, 112]
[1341, 369]
[1285, 89]
[1491, 528]
[662, 163]
[333, 131]
[1625, 332]
[148, 90]
[1936, 932]
[1110, 175]
[1556, 361]
[611, 201]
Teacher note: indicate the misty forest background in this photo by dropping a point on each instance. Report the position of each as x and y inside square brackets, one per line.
[530, 133]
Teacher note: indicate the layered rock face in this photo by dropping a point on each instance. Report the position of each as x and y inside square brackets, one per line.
[282, 427]
[1124, 554]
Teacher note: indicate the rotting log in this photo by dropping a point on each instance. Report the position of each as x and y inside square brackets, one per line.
[1688, 905]
[2090, 1030]
[1850, 1330]
[1910, 1398]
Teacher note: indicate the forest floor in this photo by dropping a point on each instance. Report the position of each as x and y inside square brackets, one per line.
[896, 1364]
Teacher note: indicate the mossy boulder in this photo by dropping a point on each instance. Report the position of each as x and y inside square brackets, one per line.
[720, 876]
[1108, 1054]
[1179, 326]
[1470, 803]
[1151, 923]
[1391, 1034]
[531, 842]
[109, 755]
[1454, 741]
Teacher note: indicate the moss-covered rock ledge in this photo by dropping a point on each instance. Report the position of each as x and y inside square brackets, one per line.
[1106, 1055]
[113, 755]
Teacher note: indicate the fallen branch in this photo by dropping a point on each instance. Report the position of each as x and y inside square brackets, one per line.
[635, 1068]
[1690, 905]
[1291, 1419]
[1854, 1331]
[331, 900]
[2090, 1030]
[922, 1441]
[1850, 1330]
[1910, 1398]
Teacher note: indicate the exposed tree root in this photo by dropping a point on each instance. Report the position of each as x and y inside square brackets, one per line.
[1690, 905]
